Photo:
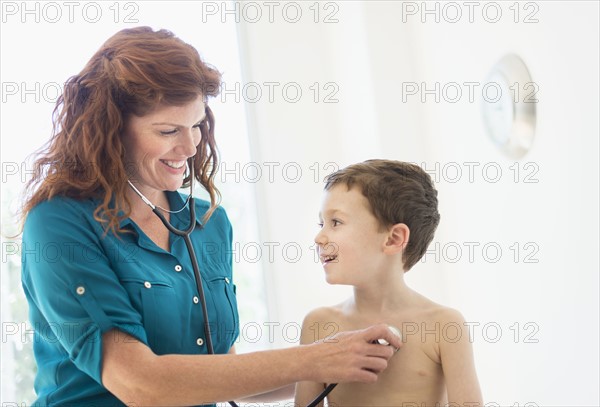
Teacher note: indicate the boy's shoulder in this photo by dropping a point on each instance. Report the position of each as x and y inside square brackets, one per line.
[323, 313]
[432, 324]
[432, 308]
[321, 322]
[422, 308]
[434, 312]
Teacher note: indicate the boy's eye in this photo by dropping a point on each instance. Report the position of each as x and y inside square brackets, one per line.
[334, 223]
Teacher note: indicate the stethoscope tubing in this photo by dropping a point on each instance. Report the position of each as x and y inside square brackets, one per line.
[193, 259]
[322, 396]
[185, 234]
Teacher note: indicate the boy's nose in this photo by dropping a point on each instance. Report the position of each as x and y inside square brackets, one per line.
[320, 238]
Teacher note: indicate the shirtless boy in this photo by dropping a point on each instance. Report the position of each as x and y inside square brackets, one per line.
[377, 219]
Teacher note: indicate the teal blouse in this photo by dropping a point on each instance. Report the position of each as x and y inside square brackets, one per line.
[81, 283]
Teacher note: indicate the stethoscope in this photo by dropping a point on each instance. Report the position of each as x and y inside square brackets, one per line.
[185, 234]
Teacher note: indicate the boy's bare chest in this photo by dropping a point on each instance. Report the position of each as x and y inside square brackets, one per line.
[414, 374]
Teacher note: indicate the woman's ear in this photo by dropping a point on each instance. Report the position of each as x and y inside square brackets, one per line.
[397, 239]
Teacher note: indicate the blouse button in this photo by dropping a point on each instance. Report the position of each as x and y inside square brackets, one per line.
[80, 290]
[147, 284]
[178, 268]
[199, 341]
[226, 280]
[196, 300]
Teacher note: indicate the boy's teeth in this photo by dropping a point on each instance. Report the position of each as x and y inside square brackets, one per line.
[329, 258]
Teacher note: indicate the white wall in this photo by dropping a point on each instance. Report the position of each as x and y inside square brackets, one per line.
[365, 57]
[369, 53]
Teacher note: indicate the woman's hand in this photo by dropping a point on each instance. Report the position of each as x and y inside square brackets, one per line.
[352, 356]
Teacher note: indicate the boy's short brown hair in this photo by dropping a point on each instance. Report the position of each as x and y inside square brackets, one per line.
[398, 192]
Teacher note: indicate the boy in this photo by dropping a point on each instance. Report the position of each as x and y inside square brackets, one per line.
[377, 219]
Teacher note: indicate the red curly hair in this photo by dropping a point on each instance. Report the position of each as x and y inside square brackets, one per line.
[133, 72]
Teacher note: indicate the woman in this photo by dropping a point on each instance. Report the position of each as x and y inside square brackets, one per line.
[111, 292]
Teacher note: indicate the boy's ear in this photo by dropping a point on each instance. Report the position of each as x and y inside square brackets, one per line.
[397, 239]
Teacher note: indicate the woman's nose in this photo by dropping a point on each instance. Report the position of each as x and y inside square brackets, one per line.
[189, 141]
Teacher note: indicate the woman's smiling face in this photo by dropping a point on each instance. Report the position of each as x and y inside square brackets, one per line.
[158, 145]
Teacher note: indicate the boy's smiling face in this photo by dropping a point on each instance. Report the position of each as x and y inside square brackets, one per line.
[350, 241]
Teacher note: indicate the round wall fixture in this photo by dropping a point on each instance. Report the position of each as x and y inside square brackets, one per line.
[509, 106]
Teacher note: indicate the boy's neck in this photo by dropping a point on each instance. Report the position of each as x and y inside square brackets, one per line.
[382, 295]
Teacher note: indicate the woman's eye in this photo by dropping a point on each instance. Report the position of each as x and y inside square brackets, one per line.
[168, 132]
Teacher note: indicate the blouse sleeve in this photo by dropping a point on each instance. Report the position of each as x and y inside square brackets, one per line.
[68, 279]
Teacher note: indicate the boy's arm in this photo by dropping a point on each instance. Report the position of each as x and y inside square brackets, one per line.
[308, 391]
[458, 364]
